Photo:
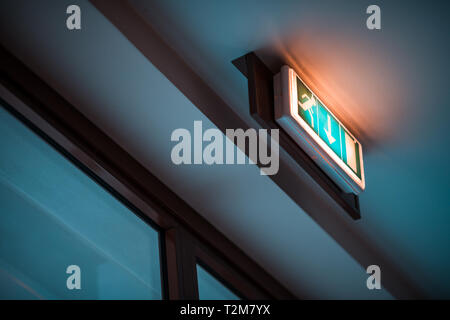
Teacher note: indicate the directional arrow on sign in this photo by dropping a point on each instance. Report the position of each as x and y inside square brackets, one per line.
[331, 139]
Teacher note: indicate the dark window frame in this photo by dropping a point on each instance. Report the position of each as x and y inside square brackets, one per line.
[185, 236]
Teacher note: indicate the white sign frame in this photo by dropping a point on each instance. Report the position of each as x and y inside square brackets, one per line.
[286, 115]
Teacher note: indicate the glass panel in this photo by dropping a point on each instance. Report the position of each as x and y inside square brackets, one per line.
[52, 215]
[209, 288]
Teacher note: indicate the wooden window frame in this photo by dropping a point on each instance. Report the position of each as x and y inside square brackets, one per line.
[185, 236]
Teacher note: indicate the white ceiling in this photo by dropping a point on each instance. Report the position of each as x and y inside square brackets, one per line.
[376, 81]
[389, 87]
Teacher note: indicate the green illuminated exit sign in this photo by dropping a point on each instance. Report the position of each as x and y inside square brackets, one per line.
[317, 131]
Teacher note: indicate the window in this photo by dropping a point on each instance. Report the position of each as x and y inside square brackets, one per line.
[70, 195]
[53, 215]
[209, 288]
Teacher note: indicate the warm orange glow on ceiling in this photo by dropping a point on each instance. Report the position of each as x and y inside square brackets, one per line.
[362, 86]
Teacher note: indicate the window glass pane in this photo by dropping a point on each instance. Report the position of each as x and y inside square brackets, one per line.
[209, 288]
[52, 215]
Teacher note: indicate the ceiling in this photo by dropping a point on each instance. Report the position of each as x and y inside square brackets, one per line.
[387, 86]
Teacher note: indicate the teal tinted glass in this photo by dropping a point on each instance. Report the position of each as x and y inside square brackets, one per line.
[52, 216]
[209, 288]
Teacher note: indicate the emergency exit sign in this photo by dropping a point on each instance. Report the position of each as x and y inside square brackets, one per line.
[317, 131]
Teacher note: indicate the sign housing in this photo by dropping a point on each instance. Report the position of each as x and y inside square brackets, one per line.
[317, 131]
